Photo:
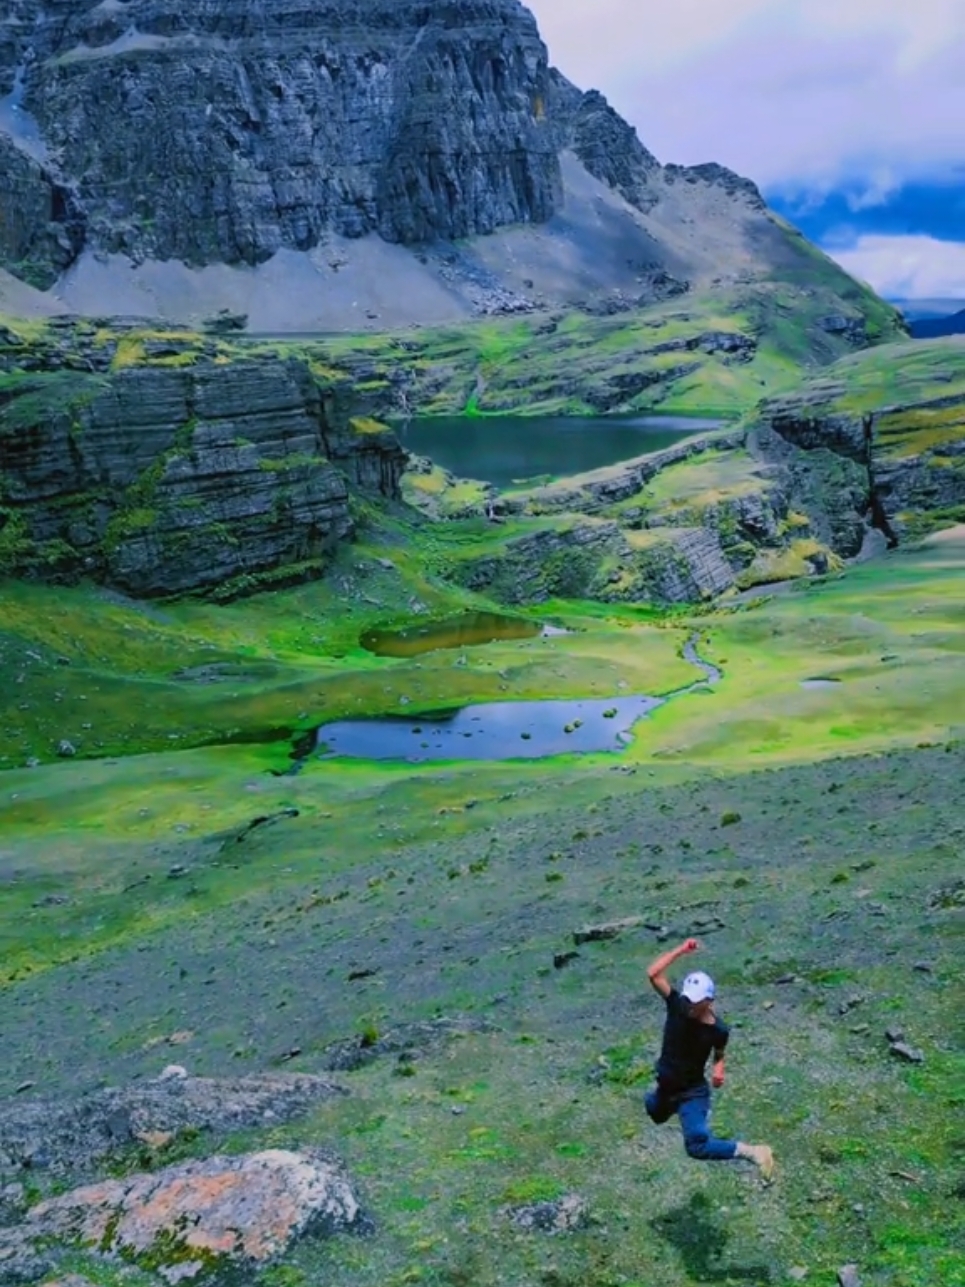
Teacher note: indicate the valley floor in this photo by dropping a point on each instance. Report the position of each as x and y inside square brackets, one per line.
[810, 835]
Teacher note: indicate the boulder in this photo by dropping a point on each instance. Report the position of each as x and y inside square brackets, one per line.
[609, 929]
[199, 1218]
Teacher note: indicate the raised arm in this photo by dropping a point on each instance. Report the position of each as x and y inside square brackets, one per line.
[655, 972]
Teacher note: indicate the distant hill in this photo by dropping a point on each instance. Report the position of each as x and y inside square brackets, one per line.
[914, 310]
[929, 328]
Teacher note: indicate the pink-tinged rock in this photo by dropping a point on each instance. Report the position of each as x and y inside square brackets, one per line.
[198, 1215]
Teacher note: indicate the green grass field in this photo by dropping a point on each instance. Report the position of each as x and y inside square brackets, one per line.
[809, 834]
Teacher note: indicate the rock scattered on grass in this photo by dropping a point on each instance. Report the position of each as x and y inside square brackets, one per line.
[848, 1276]
[850, 1004]
[364, 1048]
[267, 820]
[173, 1072]
[608, 930]
[202, 1216]
[66, 749]
[563, 1215]
[13, 1200]
[910, 1054]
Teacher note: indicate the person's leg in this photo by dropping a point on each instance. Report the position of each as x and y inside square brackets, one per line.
[659, 1105]
[698, 1140]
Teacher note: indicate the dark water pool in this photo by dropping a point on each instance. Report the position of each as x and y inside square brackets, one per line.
[504, 450]
[465, 631]
[490, 731]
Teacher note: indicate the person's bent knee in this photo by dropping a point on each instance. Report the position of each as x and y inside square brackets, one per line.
[697, 1146]
[658, 1110]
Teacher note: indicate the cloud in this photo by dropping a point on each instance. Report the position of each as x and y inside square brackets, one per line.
[812, 93]
[875, 191]
[907, 267]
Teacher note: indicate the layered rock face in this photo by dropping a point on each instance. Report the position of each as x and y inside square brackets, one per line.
[41, 231]
[167, 479]
[223, 131]
[854, 470]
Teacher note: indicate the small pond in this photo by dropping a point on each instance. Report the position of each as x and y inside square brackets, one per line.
[502, 730]
[506, 450]
[490, 731]
[465, 631]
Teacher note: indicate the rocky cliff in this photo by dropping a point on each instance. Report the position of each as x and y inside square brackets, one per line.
[852, 462]
[223, 131]
[336, 150]
[183, 472]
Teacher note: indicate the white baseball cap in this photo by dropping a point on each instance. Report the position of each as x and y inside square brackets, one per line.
[698, 987]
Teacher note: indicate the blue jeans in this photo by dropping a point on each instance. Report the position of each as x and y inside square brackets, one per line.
[692, 1106]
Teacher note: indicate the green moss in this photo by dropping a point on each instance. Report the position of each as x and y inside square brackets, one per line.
[41, 398]
[130, 352]
[15, 542]
[297, 460]
[365, 425]
[566, 368]
[129, 522]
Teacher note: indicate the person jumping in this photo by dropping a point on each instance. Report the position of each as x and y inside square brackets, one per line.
[691, 1031]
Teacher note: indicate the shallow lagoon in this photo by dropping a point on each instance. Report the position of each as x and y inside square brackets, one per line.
[491, 731]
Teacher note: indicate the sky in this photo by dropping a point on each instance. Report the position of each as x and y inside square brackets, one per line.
[848, 114]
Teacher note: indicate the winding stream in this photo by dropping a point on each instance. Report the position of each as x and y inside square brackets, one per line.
[503, 730]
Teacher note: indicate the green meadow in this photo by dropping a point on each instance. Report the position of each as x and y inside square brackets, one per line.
[809, 835]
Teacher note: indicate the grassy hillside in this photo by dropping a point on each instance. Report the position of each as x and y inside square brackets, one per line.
[708, 353]
[897, 375]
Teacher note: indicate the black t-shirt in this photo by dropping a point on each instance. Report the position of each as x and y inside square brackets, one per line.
[687, 1043]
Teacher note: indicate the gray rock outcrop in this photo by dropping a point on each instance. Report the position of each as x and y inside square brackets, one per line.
[852, 471]
[193, 1221]
[167, 478]
[72, 1136]
[266, 124]
[597, 559]
[41, 230]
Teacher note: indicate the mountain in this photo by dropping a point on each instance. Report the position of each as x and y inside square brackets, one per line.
[923, 328]
[914, 310]
[347, 165]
